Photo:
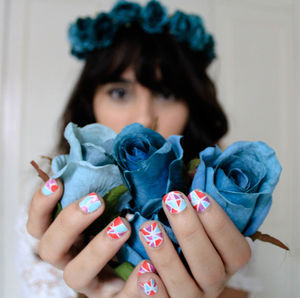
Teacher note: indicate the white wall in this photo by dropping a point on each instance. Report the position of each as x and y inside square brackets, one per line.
[257, 76]
[257, 81]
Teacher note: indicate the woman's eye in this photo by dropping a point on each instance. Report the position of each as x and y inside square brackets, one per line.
[117, 93]
[166, 95]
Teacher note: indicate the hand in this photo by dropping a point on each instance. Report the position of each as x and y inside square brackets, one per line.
[212, 246]
[61, 243]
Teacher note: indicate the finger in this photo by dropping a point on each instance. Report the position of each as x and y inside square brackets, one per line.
[131, 288]
[204, 261]
[167, 262]
[42, 206]
[55, 245]
[230, 243]
[151, 285]
[81, 272]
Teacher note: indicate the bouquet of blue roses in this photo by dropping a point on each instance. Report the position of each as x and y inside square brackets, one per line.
[133, 170]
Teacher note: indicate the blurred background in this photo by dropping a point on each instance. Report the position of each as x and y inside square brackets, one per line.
[258, 78]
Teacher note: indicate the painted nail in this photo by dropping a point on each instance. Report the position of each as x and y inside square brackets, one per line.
[174, 202]
[199, 200]
[116, 229]
[150, 287]
[153, 235]
[49, 187]
[145, 268]
[90, 203]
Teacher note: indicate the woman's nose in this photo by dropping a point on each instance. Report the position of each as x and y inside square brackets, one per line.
[145, 113]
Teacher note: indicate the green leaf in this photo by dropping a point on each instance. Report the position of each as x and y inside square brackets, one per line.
[57, 210]
[124, 270]
[193, 165]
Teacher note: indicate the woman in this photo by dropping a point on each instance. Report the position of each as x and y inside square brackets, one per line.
[143, 66]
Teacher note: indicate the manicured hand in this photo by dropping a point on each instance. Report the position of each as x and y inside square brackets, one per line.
[213, 247]
[61, 243]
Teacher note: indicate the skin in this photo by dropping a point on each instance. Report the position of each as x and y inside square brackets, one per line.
[213, 247]
[121, 103]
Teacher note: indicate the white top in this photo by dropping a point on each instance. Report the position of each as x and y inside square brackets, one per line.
[39, 279]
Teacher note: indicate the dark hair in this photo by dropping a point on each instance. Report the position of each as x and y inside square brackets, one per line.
[183, 73]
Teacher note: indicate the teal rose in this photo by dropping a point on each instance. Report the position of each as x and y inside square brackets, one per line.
[154, 17]
[80, 34]
[241, 179]
[125, 12]
[151, 167]
[180, 25]
[103, 30]
[89, 166]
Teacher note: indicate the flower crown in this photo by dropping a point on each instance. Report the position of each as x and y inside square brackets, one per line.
[88, 34]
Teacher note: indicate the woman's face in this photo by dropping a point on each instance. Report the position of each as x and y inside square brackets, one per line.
[120, 103]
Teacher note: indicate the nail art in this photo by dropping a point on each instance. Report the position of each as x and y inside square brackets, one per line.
[199, 200]
[145, 268]
[49, 187]
[90, 203]
[150, 287]
[116, 229]
[153, 235]
[174, 202]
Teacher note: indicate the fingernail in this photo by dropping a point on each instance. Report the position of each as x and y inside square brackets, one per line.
[150, 287]
[174, 202]
[90, 203]
[199, 200]
[153, 235]
[146, 268]
[49, 187]
[116, 229]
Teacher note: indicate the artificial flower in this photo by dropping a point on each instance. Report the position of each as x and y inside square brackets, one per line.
[80, 36]
[151, 167]
[104, 30]
[125, 12]
[154, 17]
[241, 180]
[89, 167]
[180, 25]
[197, 35]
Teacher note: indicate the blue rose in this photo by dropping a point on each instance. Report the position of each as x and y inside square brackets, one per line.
[154, 17]
[151, 166]
[180, 25]
[104, 30]
[89, 167]
[209, 48]
[125, 12]
[80, 35]
[241, 179]
[197, 36]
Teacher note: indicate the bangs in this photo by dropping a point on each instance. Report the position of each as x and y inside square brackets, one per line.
[155, 59]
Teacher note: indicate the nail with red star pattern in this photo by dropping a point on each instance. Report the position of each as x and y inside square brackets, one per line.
[153, 235]
[49, 187]
[199, 200]
[116, 229]
[150, 287]
[146, 267]
[175, 202]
